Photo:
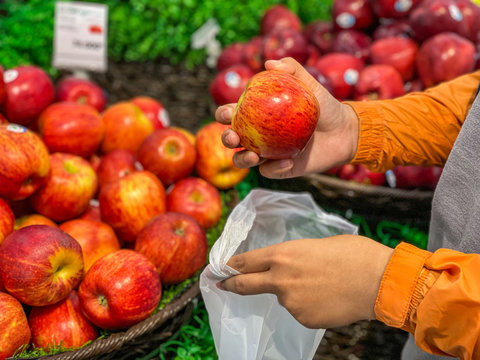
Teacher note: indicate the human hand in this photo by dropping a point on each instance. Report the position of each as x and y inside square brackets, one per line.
[334, 141]
[323, 283]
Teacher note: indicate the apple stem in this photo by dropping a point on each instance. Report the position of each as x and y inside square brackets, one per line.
[179, 231]
[102, 300]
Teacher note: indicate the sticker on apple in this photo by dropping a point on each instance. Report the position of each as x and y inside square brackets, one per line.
[351, 76]
[232, 79]
[164, 118]
[403, 5]
[16, 128]
[345, 20]
[455, 12]
[10, 75]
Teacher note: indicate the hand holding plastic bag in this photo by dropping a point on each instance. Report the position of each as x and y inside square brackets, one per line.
[257, 326]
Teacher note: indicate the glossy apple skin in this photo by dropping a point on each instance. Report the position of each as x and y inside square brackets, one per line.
[32, 219]
[40, 264]
[227, 86]
[96, 239]
[276, 115]
[444, 57]
[360, 174]
[378, 82]
[393, 9]
[7, 220]
[352, 14]
[285, 42]
[127, 204]
[176, 244]
[81, 91]
[71, 128]
[70, 186]
[115, 165]
[125, 127]
[214, 161]
[14, 329]
[113, 296]
[399, 52]
[198, 198]
[153, 110]
[279, 17]
[232, 54]
[24, 162]
[29, 90]
[168, 154]
[62, 322]
[320, 34]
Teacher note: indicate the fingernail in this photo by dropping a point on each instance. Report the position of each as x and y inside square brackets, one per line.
[227, 114]
[284, 164]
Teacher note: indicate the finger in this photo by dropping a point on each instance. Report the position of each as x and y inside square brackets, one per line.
[257, 260]
[248, 284]
[224, 113]
[230, 139]
[246, 159]
[277, 169]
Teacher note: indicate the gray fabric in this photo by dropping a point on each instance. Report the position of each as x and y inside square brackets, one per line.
[455, 221]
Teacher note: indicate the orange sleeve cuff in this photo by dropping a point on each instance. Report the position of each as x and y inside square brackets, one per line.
[401, 286]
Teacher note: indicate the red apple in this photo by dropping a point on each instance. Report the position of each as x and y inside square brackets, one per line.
[127, 204]
[40, 264]
[253, 54]
[227, 86]
[61, 323]
[279, 17]
[115, 165]
[168, 154]
[29, 90]
[176, 244]
[359, 173]
[71, 128]
[444, 57]
[120, 289]
[414, 86]
[24, 162]
[320, 34]
[313, 55]
[285, 42]
[399, 52]
[198, 198]
[96, 239]
[342, 71]
[411, 177]
[2, 87]
[333, 171]
[81, 91]
[190, 136]
[125, 127]
[322, 79]
[232, 54]
[70, 186]
[92, 212]
[214, 161]
[377, 82]
[393, 8]
[7, 220]
[95, 160]
[276, 115]
[352, 14]
[352, 42]
[14, 329]
[3, 119]
[399, 27]
[153, 110]
[32, 219]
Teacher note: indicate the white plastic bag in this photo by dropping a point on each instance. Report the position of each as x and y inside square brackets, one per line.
[258, 327]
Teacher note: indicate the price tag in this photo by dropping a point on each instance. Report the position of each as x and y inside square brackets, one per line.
[80, 37]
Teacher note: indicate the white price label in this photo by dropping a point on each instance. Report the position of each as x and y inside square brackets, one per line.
[80, 36]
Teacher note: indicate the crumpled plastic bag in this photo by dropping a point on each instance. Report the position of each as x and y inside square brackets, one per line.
[257, 326]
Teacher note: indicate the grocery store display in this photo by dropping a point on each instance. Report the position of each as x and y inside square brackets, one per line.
[13, 326]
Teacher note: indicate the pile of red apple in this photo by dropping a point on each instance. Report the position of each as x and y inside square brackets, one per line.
[100, 206]
[371, 49]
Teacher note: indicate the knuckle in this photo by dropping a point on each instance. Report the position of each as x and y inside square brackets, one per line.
[239, 286]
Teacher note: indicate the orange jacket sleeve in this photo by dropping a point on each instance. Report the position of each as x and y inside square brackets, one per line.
[416, 129]
[436, 297]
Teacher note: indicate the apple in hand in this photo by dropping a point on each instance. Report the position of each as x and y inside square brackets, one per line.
[29, 90]
[377, 82]
[285, 42]
[7, 220]
[279, 17]
[276, 115]
[61, 323]
[70, 186]
[360, 174]
[32, 219]
[127, 204]
[227, 86]
[40, 264]
[198, 198]
[115, 165]
[168, 154]
[96, 239]
[126, 127]
[232, 54]
[153, 110]
[176, 244]
[352, 14]
[214, 161]
[81, 91]
[444, 57]
[71, 128]
[14, 329]
[121, 289]
[24, 162]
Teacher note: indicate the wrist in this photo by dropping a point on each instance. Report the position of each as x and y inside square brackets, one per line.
[350, 119]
